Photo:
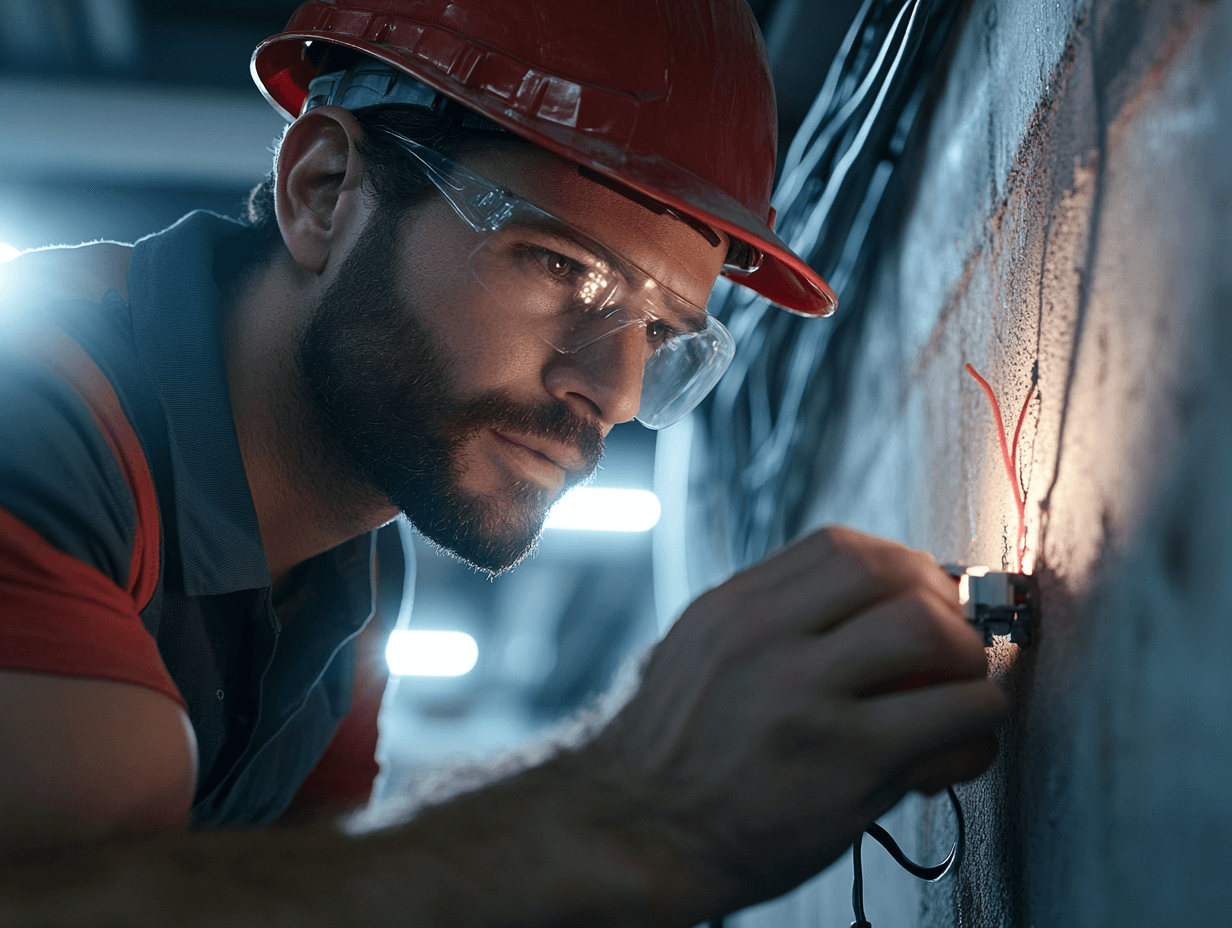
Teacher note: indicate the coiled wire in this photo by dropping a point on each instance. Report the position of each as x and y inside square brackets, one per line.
[952, 862]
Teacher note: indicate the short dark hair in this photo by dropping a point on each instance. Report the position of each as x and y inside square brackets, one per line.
[389, 173]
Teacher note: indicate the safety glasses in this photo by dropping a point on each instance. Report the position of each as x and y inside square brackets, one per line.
[570, 291]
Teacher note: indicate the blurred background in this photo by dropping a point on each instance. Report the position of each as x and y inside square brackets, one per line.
[119, 116]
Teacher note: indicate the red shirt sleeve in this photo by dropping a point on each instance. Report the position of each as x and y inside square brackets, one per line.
[58, 613]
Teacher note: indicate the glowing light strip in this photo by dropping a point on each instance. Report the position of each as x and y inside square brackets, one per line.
[602, 509]
[421, 653]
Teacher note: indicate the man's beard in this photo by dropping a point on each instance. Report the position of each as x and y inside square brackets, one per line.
[384, 404]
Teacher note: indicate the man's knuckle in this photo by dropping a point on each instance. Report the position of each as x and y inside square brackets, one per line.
[740, 588]
[711, 602]
[923, 627]
[860, 567]
[870, 562]
[834, 538]
[827, 534]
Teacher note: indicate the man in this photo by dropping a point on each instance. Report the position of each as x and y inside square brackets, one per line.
[489, 237]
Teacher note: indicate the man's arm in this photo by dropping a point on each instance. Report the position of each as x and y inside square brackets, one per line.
[535, 849]
[87, 758]
[769, 728]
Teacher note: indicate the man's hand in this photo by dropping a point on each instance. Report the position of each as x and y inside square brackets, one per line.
[792, 705]
[785, 710]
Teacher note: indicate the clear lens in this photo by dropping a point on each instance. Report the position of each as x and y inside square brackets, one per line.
[570, 291]
[556, 282]
[682, 371]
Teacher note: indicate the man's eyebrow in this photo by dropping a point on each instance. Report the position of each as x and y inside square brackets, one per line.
[675, 309]
[566, 235]
[695, 319]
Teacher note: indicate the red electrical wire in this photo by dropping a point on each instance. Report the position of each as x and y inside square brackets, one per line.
[1009, 454]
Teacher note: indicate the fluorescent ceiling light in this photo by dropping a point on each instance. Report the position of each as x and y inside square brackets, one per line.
[417, 653]
[601, 509]
[7, 252]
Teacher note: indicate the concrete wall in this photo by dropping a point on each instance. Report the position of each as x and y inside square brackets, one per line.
[1072, 223]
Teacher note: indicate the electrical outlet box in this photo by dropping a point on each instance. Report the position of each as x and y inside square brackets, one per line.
[997, 603]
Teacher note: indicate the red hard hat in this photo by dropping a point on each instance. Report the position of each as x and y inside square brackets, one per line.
[672, 98]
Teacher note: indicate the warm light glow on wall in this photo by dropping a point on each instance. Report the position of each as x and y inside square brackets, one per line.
[421, 653]
[602, 509]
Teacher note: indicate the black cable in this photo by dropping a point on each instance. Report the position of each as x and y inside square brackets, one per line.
[953, 860]
[857, 886]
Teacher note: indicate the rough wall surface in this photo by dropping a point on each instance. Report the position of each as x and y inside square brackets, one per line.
[1071, 226]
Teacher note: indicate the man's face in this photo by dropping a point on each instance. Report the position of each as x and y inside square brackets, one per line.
[425, 385]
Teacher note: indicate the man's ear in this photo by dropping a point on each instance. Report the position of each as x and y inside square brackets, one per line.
[319, 194]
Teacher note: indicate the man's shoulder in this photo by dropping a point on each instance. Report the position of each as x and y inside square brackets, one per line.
[59, 473]
[88, 272]
[68, 451]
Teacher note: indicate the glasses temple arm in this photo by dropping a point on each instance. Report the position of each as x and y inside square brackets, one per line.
[484, 209]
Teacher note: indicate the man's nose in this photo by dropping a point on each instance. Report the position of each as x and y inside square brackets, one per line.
[604, 376]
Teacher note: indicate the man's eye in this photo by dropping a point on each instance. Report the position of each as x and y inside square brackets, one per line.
[657, 330]
[556, 265]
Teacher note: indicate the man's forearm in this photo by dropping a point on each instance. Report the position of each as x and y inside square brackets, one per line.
[543, 848]
[769, 729]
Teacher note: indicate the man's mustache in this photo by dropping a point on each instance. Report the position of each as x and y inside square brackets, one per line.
[552, 420]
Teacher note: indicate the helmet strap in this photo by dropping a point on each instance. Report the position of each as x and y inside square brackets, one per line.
[369, 82]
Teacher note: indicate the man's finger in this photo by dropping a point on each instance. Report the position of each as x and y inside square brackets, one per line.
[915, 638]
[953, 764]
[904, 727]
[833, 574]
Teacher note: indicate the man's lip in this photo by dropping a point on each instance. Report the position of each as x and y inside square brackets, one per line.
[556, 453]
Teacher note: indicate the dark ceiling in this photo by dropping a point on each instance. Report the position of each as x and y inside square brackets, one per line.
[207, 43]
